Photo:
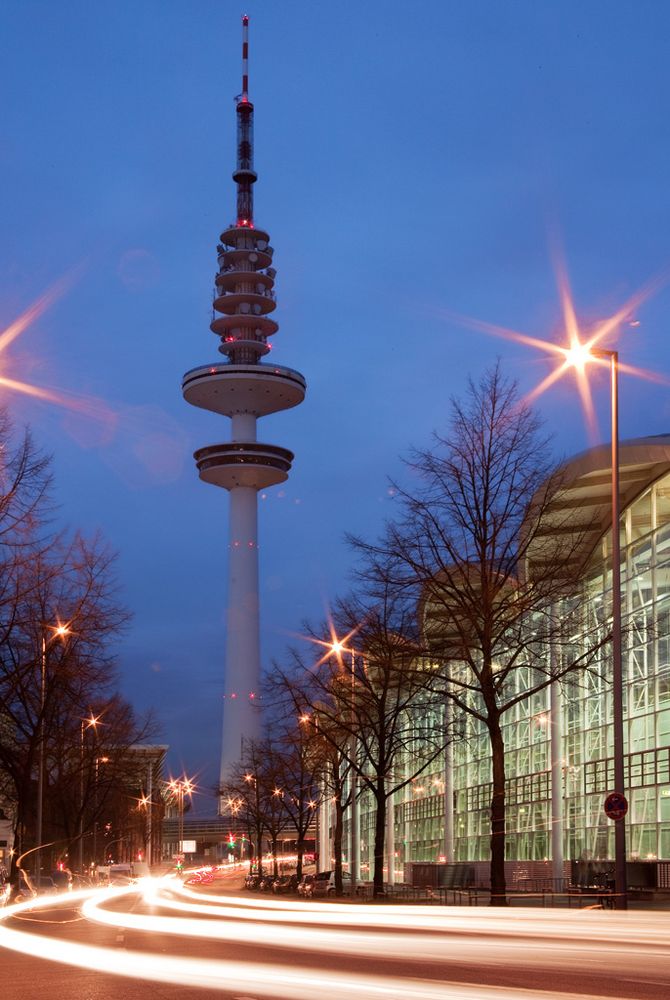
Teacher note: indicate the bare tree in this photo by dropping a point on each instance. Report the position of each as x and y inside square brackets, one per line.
[253, 794]
[297, 764]
[95, 778]
[325, 745]
[365, 694]
[50, 682]
[495, 565]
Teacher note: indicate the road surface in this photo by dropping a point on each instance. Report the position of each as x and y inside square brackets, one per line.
[161, 940]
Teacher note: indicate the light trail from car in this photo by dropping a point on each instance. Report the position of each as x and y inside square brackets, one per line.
[296, 934]
[434, 947]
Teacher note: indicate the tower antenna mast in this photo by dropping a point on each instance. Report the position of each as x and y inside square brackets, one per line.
[245, 176]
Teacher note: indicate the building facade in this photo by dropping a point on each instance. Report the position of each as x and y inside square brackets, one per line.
[559, 743]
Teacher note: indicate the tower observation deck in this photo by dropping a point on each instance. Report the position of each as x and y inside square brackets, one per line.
[243, 388]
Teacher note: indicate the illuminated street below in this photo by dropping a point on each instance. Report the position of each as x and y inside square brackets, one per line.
[187, 941]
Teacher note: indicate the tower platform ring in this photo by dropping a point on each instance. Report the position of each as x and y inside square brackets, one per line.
[234, 343]
[229, 279]
[263, 258]
[259, 389]
[230, 301]
[223, 325]
[231, 235]
[235, 464]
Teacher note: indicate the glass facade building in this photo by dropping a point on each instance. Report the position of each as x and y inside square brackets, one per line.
[446, 813]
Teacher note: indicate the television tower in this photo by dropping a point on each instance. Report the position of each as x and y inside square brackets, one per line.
[243, 388]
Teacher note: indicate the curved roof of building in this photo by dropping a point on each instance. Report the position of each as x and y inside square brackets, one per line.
[583, 502]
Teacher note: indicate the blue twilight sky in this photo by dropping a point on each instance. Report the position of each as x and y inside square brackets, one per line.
[415, 161]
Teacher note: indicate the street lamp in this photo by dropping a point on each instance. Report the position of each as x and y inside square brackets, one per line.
[338, 648]
[90, 723]
[98, 761]
[59, 631]
[576, 356]
[179, 788]
[620, 885]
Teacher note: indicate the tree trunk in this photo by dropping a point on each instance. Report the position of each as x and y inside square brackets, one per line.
[259, 849]
[14, 857]
[498, 887]
[301, 851]
[337, 845]
[380, 837]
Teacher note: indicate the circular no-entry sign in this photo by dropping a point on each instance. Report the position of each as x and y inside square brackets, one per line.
[616, 805]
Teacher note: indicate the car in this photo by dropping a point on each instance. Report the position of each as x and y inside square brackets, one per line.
[304, 885]
[284, 884]
[265, 883]
[324, 884]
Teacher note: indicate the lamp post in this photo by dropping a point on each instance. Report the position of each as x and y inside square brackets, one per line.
[252, 780]
[58, 631]
[149, 855]
[620, 885]
[90, 723]
[354, 850]
[98, 761]
[320, 804]
[576, 356]
[144, 803]
[181, 787]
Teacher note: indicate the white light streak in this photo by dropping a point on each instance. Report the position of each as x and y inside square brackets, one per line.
[441, 936]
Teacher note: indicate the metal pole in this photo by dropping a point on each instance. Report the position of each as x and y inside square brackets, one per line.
[354, 851]
[448, 846]
[81, 800]
[556, 744]
[40, 764]
[150, 797]
[181, 820]
[94, 849]
[617, 668]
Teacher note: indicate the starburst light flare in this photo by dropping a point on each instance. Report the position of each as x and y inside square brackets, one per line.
[581, 347]
[88, 406]
[337, 646]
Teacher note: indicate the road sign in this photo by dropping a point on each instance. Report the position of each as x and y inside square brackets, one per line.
[616, 806]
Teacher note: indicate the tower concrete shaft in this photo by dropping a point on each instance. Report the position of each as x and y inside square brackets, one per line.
[243, 388]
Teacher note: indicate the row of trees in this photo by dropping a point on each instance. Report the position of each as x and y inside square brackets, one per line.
[60, 616]
[458, 604]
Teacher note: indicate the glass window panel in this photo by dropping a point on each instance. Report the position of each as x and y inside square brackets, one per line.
[641, 556]
[641, 592]
[662, 490]
[641, 733]
[640, 517]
